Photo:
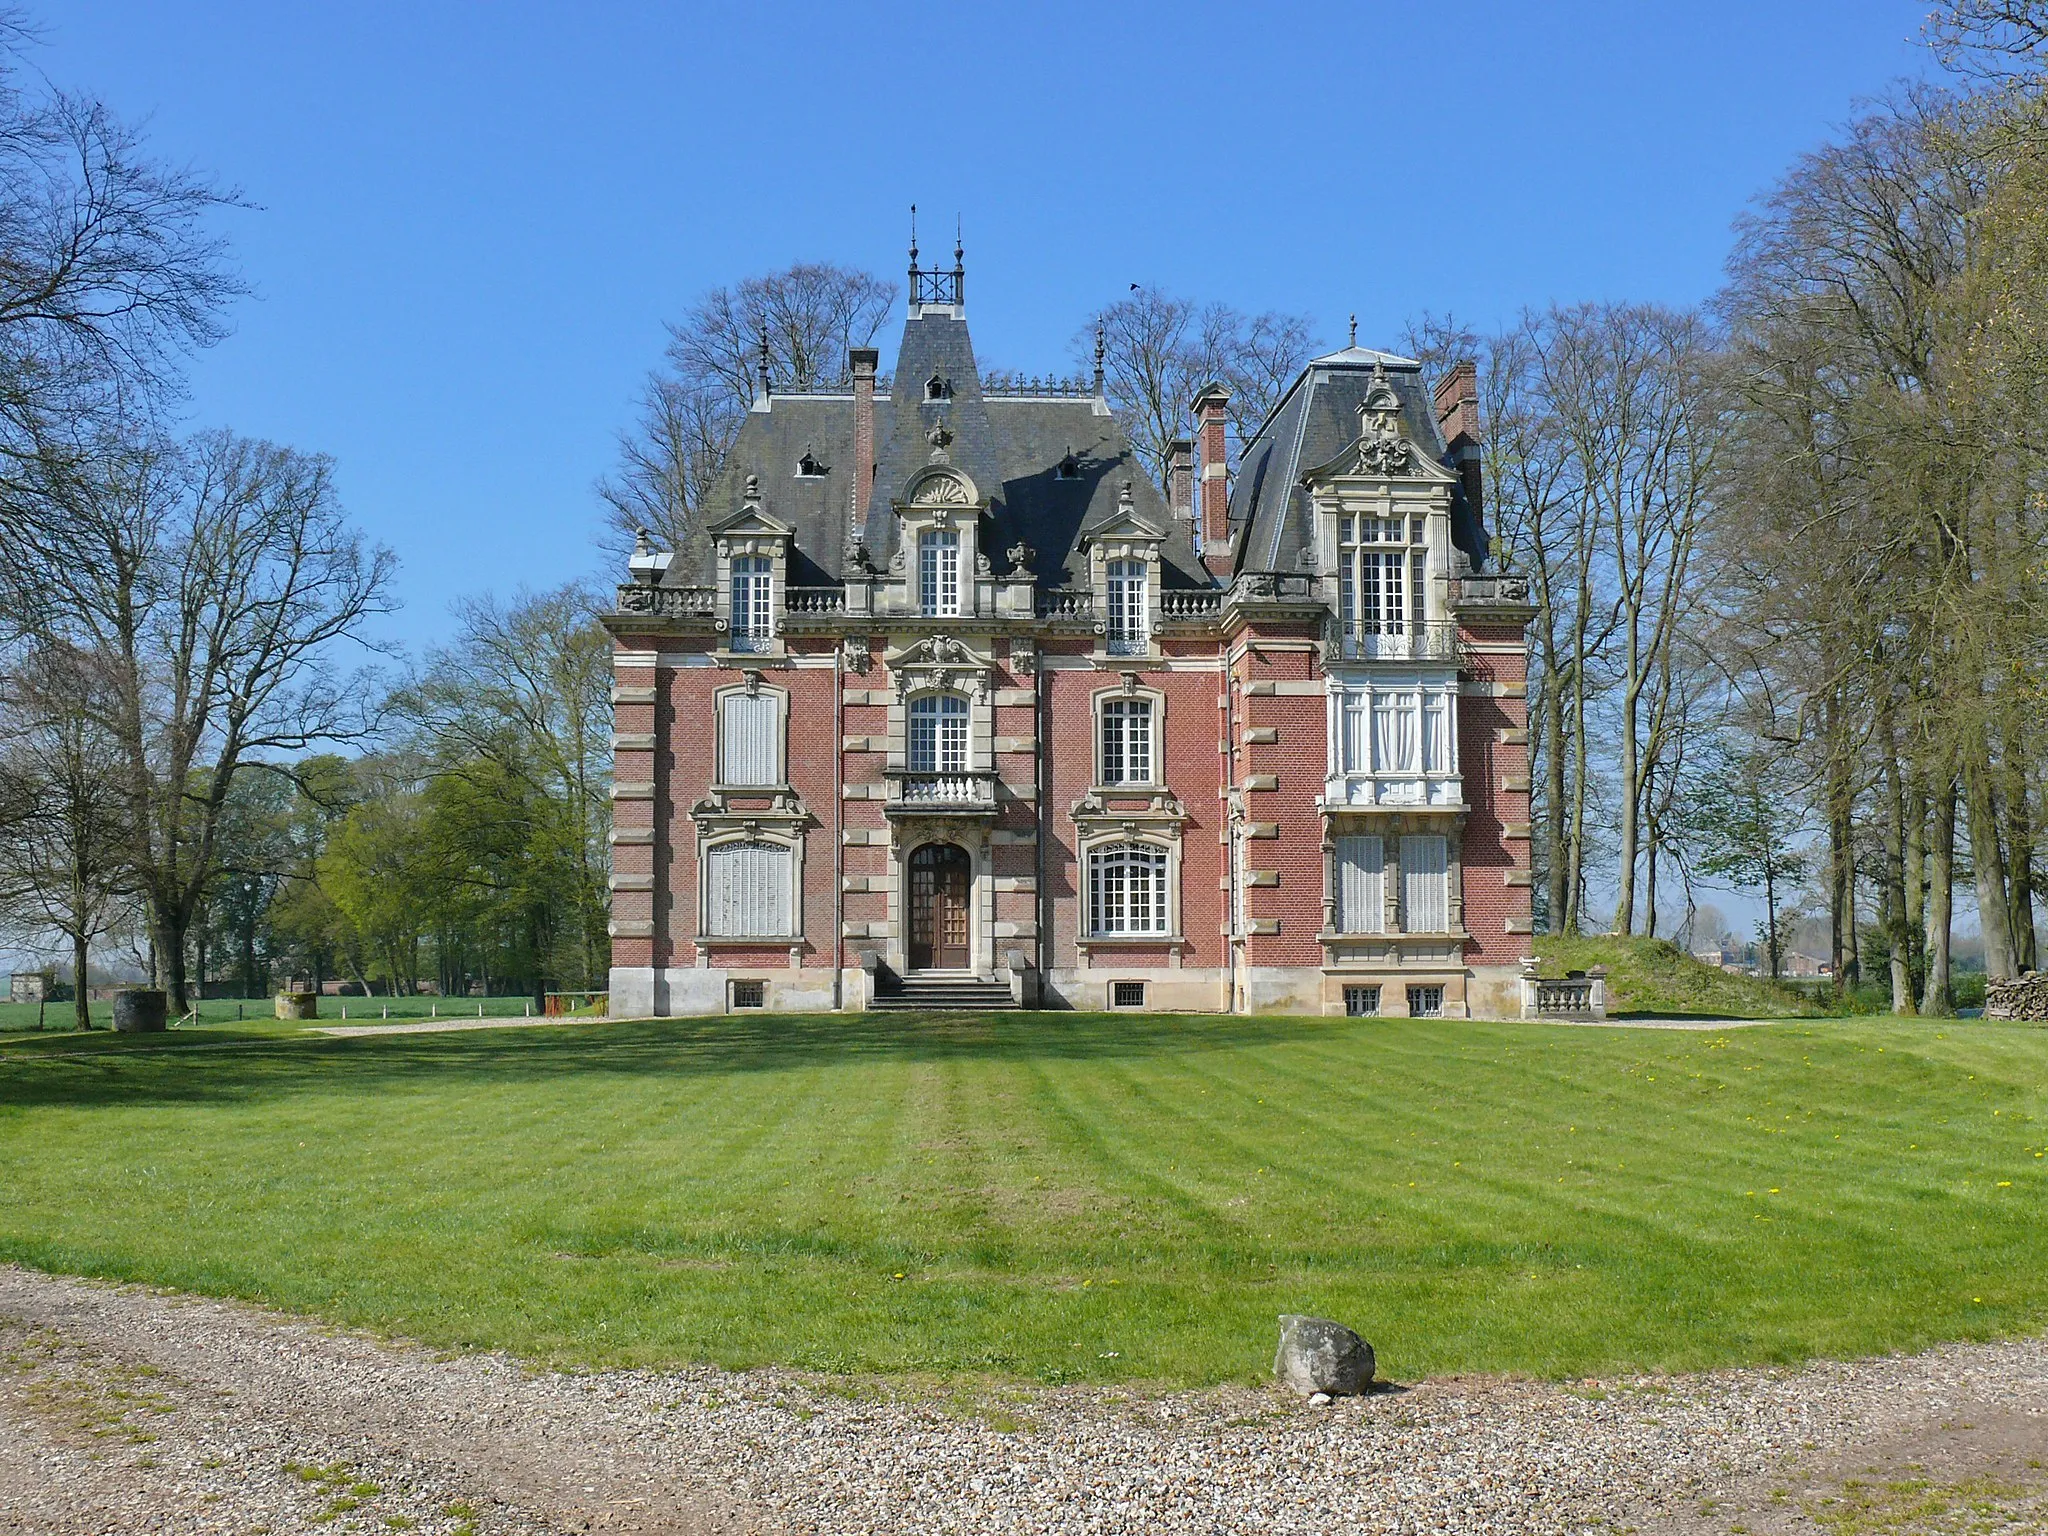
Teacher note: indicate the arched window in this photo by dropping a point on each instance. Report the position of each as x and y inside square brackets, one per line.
[1127, 890]
[747, 891]
[938, 733]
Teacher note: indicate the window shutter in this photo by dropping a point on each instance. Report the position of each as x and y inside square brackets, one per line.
[748, 891]
[1425, 884]
[750, 739]
[1361, 885]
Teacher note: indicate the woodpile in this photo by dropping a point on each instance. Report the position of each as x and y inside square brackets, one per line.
[2025, 999]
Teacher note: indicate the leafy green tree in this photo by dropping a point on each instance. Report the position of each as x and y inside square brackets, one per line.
[1746, 829]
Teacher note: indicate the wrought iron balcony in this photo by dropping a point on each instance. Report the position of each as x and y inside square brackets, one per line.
[1434, 641]
[916, 793]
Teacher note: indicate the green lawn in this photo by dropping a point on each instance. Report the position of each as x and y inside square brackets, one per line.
[1060, 1196]
[22, 1017]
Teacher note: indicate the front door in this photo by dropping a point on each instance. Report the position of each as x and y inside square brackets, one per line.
[940, 876]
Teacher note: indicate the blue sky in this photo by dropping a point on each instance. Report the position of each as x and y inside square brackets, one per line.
[472, 220]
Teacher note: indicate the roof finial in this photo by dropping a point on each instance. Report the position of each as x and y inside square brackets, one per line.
[959, 250]
[1354, 329]
[959, 265]
[766, 387]
[1101, 342]
[913, 252]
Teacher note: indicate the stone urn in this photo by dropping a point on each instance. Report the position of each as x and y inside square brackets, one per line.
[140, 1010]
[298, 1005]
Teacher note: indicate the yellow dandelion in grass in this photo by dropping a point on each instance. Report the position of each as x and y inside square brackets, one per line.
[2005, 1183]
[1774, 1191]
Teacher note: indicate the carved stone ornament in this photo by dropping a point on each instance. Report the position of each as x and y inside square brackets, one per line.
[981, 565]
[753, 491]
[1020, 556]
[897, 563]
[858, 558]
[1382, 456]
[639, 600]
[943, 490]
[1023, 657]
[858, 658]
[753, 683]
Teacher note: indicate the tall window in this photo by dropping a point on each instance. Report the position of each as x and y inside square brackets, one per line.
[1425, 885]
[1128, 624]
[1127, 890]
[938, 733]
[1380, 576]
[747, 891]
[753, 603]
[1397, 731]
[1127, 741]
[1361, 885]
[749, 739]
[938, 571]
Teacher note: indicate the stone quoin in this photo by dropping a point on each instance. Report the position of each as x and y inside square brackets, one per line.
[944, 700]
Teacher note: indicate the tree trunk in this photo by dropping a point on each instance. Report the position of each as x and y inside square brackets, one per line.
[168, 935]
[1916, 877]
[1893, 902]
[1988, 860]
[2019, 834]
[1625, 873]
[1939, 998]
[81, 1010]
[1551, 744]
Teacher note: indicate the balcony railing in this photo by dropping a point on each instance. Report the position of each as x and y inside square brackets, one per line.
[1195, 604]
[1435, 641]
[927, 793]
[752, 641]
[669, 602]
[1067, 603]
[815, 599]
[1127, 642]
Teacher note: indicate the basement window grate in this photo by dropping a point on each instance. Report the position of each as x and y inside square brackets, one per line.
[1127, 994]
[1425, 1002]
[1362, 1002]
[750, 994]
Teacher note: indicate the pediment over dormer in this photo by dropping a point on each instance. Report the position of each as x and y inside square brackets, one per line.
[752, 520]
[1123, 524]
[940, 485]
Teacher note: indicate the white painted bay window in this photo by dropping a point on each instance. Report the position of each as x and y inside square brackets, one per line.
[1394, 741]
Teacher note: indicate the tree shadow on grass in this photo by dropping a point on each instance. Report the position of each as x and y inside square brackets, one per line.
[199, 1065]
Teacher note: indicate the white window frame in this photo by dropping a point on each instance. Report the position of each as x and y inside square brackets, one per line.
[1132, 768]
[938, 738]
[1115, 861]
[751, 624]
[1127, 614]
[938, 572]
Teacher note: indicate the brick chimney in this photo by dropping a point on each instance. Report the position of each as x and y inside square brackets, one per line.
[1457, 414]
[1180, 476]
[861, 361]
[1209, 407]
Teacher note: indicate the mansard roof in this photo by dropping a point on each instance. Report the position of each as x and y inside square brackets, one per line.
[1011, 446]
[1315, 421]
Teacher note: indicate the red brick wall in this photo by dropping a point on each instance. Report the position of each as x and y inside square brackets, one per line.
[1297, 762]
[1489, 765]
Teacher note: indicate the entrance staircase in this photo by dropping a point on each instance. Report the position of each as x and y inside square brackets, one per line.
[958, 993]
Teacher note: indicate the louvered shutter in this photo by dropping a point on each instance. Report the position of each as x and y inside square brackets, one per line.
[748, 891]
[1361, 885]
[750, 740]
[1425, 884]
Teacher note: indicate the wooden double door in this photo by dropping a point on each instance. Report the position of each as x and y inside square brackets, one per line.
[941, 884]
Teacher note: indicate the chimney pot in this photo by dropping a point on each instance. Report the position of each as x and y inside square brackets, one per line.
[1211, 408]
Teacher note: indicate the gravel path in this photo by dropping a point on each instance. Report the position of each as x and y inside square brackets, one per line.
[126, 1410]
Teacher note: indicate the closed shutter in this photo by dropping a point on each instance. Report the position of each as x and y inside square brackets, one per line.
[747, 891]
[1361, 885]
[1425, 884]
[750, 740]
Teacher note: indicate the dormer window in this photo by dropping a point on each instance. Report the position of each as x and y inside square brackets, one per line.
[938, 572]
[938, 387]
[1070, 467]
[809, 468]
[1382, 563]
[1128, 628]
[753, 603]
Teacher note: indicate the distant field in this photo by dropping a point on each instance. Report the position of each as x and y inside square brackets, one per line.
[1061, 1196]
[218, 1010]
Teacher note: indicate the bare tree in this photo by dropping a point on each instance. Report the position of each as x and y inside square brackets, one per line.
[108, 271]
[805, 318]
[1159, 350]
[218, 579]
[63, 853]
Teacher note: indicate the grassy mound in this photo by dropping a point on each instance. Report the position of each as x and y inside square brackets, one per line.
[1655, 976]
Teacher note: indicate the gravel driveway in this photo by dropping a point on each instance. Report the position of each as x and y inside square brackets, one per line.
[126, 1410]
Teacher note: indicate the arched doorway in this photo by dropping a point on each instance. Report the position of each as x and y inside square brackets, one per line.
[941, 878]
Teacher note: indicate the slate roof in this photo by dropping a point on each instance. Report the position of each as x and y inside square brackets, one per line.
[1315, 421]
[1012, 448]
